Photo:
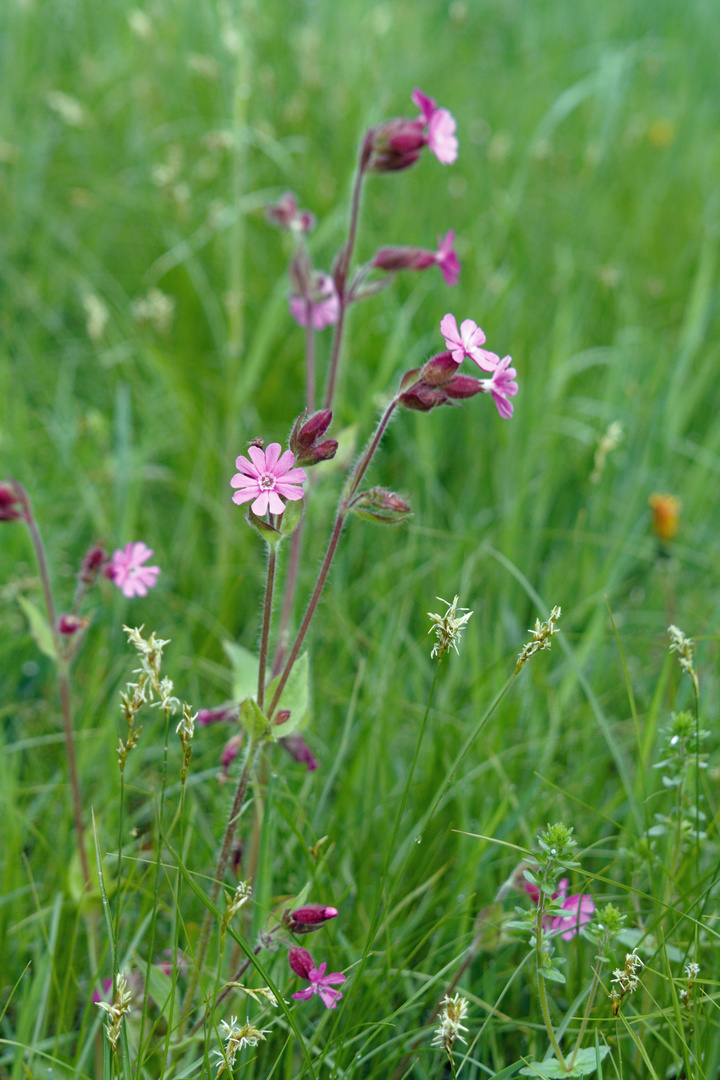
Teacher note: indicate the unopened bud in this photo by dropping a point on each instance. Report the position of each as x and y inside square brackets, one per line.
[299, 751]
[91, 564]
[311, 917]
[378, 504]
[281, 717]
[215, 716]
[9, 510]
[300, 961]
[304, 439]
[231, 750]
[403, 258]
[396, 145]
[439, 370]
[70, 624]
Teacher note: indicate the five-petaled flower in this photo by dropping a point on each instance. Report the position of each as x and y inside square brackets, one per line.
[441, 138]
[501, 385]
[580, 909]
[126, 569]
[466, 341]
[267, 479]
[303, 965]
[322, 309]
[446, 258]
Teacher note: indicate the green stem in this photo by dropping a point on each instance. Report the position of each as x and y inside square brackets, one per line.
[265, 635]
[588, 1005]
[545, 1008]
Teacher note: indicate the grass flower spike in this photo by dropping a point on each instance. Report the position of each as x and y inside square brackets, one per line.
[127, 572]
[447, 627]
[681, 644]
[541, 638]
[235, 1039]
[449, 1028]
[120, 1007]
[267, 478]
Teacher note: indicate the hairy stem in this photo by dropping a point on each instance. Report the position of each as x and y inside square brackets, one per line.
[265, 635]
[309, 361]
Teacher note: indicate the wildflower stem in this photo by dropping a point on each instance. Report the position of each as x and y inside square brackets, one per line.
[63, 675]
[265, 635]
[541, 982]
[588, 1009]
[288, 598]
[309, 361]
[341, 274]
[344, 505]
[241, 790]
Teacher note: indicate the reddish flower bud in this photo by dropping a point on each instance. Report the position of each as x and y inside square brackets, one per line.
[379, 504]
[215, 716]
[463, 386]
[313, 914]
[9, 510]
[231, 750]
[300, 961]
[70, 624]
[439, 370]
[403, 258]
[91, 564]
[299, 751]
[422, 398]
[281, 717]
[396, 145]
[306, 432]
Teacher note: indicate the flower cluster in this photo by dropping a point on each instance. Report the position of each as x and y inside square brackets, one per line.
[542, 636]
[450, 1026]
[626, 980]
[119, 1008]
[692, 970]
[447, 627]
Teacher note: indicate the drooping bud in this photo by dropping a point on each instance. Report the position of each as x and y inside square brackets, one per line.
[285, 214]
[305, 435]
[299, 751]
[308, 918]
[379, 504]
[215, 716]
[9, 508]
[70, 624]
[396, 145]
[422, 398]
[92, 562]
[300, 961]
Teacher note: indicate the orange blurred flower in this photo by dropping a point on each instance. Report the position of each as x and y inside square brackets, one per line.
[666, 515]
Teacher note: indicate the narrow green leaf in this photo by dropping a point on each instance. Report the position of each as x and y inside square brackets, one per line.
[39, 628]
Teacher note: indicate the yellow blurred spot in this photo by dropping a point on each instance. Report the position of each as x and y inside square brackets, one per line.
[661, 133]
[666, 515]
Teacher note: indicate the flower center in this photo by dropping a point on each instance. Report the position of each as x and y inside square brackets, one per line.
[267, 481]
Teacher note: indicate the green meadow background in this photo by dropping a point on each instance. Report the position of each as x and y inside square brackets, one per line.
[138, 147]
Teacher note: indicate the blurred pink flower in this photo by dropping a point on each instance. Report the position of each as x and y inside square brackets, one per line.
[125, 569]
[501, 385]
[580, 908]
[446, 258]
[322, 984]
[323, 308]
[266, 477]
[466, 342]
[442, 141]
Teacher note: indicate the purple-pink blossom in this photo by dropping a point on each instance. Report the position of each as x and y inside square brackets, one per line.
[580, 908]
[466, 341]
[441, 138]
[501, 385]
[322, 309]
[320, 984]
[446, 258]
[126, 569]
[267, 478]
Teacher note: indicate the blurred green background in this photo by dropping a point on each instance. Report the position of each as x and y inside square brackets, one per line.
[146, 339]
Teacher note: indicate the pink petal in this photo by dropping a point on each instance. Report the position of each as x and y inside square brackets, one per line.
[258, 457]
[246, 467]
[441, 136]
[284, 464]
[425, 104]
[288, 491]
[335, 977]
[241, 497]
[241, 481]
[449, 330]
[293, 476]
[276, 505]
[272, 453]
[298, 310]
[330, 998]
[504, 407]
[259, 507]
[304, 995]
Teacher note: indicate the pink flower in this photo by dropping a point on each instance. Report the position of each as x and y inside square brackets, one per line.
[466, 342]
[323, 308]
[581, 908]
[446, 258]
[266, 477]
[502, 385]
[441, 125]
[125, 569]
[321, 984]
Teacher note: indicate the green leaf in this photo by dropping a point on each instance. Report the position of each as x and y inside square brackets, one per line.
[269, 533]
[291, 517]
[254, 720]
[295, 697]
[39, 628]
[245, 666]
[585, 1064]
[162, 992]
[552, 975]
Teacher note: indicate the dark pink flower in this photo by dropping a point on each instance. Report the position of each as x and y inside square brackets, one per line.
[313, 914]
[299, 751]
[441, 125]
[126, 569]
[9, 503]
[70, 624]
[466, 341]
[285, 214]
[267, 479]
[502, 385]
[218, 714]
[321, 984]
[322, 309]
[446, 258]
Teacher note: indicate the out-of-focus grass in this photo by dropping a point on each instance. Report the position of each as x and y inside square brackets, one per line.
[137, 148]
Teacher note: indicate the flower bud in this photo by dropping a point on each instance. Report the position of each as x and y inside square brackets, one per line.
[70, 624]
[402, 258]
[9, 510]
[215, 716]
[422, 398]
[378, 504]
[305, 433]
[299, 751]
[396, 145]
[300, 961]
[439, 370]
[313, 914]
[91, 564]
[230, 751]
